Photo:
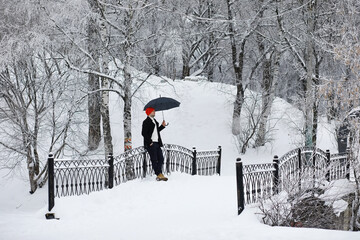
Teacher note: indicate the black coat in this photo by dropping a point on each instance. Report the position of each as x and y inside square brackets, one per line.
[147, 130]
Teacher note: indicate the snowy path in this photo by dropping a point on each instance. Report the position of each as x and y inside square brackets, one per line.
[185, 207]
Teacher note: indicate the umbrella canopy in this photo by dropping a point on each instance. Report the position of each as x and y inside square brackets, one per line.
[162, 103]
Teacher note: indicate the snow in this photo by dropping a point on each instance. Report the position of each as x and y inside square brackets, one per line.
[336, 190]
[185, 207]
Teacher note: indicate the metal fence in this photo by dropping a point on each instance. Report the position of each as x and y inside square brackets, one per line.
[297, 169]
[76, 177]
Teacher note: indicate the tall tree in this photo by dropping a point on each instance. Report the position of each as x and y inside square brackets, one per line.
[309, 65]
[104, 61]
[270, 51]
[238, 36]
[28, 78]
[94, 98]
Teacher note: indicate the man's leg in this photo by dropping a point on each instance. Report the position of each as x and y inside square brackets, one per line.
[160, 158]
[153, 158]
[160, 162]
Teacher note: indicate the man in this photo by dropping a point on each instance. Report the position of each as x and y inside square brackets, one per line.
[152, 142]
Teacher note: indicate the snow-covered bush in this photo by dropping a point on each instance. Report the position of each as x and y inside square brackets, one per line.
[323, 206]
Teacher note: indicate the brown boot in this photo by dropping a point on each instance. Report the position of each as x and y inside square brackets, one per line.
[161, 177]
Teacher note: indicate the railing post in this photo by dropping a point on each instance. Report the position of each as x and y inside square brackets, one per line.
[111, 170]
[314, 166]
[51, 189]
[276, 174]
[218, 166]
[348, 159]
[144, 168]
[240, 186]
[299, 166]
[327, 165]
[168, 162]
[194, 170]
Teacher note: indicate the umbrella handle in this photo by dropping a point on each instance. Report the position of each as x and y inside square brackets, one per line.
[164, 119]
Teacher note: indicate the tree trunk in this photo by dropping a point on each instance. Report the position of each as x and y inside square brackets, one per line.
[106, 118]
[211, 65]
[129, 164]
[239, 100]
[105, 115]
[94, 136]
[22, 76]
[211, 42]
[309, 93]
[266, 102]
[316, 100]
[37, 110]
[332, 108]
[186, 69]
[32, 174]
[237, 62]
[26, 136]
[127, 114]
[127, 94]
[94, 98]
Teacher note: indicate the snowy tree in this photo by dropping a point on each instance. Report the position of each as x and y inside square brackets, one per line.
[117, 26]
[242, 22]
[94, 103]
[200, 36]
[270, 50]
[306, 35]
[348, 52]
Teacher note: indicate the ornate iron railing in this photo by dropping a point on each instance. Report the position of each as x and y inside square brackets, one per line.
[302, 167]
[75, 177]
[258, 181]
[178, 159]
[297, 169]
[208, 162]
[339, 167]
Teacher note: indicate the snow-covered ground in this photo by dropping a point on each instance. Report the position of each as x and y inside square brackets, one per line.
[185, 207]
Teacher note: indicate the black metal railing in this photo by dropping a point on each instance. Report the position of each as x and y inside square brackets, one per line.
[297, 169]
[75, 177]
[258, 181]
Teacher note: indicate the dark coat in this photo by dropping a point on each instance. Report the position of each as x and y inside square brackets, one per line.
[147, 130]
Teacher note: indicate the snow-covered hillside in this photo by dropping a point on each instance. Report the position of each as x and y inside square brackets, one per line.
[185, 207]
[204, 117]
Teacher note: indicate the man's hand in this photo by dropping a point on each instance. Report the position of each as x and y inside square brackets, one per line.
[163, 123]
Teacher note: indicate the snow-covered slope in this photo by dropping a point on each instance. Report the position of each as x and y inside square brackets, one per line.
[204, 117]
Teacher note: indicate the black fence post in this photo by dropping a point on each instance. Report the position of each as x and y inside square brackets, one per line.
[327, 165]
[111, 170]
[299, 166]
[51, 176]
[314, 165]
[240, 186]
[218, 166]
[144, 168]
[348, 159]
[194, 170]
[168, 162]
[276, 174]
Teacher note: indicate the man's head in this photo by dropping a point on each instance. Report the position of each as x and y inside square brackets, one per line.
[150, 112]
